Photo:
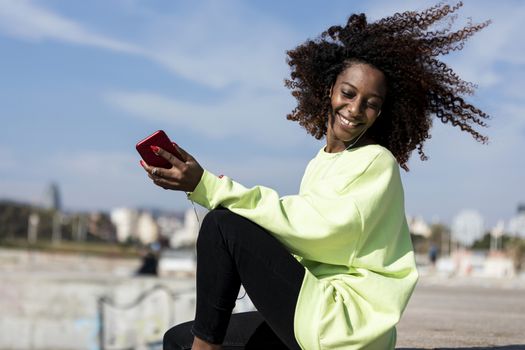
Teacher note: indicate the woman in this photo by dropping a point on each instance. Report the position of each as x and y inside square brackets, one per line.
[332, 267]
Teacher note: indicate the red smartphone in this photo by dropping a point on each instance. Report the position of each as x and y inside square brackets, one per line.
[160, 139]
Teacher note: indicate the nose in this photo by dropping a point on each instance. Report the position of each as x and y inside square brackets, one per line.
[355, 107]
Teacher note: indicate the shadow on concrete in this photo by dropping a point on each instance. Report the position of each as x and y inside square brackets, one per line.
[504, 347]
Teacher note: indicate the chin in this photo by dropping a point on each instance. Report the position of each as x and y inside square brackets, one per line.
[347, 136]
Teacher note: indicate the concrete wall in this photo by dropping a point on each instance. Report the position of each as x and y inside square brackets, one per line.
[49, 301]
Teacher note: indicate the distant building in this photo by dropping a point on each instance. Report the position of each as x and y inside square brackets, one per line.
[418, 226]
[516, 225]
[100, 225]
[125, 221]
[147, 228]
[169, 225]
[52, 198]
[467, 227]
[187, 235]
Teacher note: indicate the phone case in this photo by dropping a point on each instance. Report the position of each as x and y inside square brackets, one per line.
[160, 139]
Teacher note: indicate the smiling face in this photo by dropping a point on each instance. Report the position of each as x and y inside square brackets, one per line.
[356, 98]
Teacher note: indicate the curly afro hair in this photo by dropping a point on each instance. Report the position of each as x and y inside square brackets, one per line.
[419, 86]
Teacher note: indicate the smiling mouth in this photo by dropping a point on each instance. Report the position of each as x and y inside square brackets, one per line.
[348, 122]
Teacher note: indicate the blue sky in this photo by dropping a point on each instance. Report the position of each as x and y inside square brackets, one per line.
[83, 81]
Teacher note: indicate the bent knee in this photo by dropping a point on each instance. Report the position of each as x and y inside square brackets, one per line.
[214, 216]
[178, 337]
[221, 223]
[218, 217]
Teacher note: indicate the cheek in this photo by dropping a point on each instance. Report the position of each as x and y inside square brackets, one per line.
[372, 121]
[336, 104]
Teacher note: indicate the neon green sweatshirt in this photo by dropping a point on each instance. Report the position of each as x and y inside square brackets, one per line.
[347, 227]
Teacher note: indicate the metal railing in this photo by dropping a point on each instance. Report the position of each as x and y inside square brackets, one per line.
[104, 302]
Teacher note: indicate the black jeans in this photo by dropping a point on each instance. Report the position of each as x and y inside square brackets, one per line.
[232, 250]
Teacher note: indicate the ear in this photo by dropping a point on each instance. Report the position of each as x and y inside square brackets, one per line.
[330, 91]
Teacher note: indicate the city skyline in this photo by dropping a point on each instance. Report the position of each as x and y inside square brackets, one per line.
[419, 225]
[83, 82]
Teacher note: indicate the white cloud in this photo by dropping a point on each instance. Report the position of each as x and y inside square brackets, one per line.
[499, 41]
[257, 117]
[98, 179]
[22, 19]
[213, 44]
[495, 45]
[220, 43]
[107, 165]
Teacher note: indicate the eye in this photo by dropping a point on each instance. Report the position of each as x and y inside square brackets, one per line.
[348, 94]
[374, 106]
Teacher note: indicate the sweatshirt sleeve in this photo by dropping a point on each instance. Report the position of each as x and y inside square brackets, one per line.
[322, 224]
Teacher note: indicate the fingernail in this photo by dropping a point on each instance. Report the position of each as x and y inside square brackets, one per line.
[155, 149]
[141, 162]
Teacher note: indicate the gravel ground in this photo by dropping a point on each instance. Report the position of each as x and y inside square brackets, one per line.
[464, 313]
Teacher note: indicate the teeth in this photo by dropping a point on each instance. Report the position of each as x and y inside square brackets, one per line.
[346, 121]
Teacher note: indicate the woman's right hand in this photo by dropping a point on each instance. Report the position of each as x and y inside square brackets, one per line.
[184, 175]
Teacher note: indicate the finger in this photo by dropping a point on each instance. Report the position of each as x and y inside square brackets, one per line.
[153, 171]
[156, 178]
[182, 156]
[146, 166]
[160, 184]
[168, 156]
[183, 153]
[161, 173]
[165, 185]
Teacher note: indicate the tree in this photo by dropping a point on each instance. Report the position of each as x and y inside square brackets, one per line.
[515, 248]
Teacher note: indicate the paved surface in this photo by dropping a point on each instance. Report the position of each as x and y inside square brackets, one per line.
[464, 314]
